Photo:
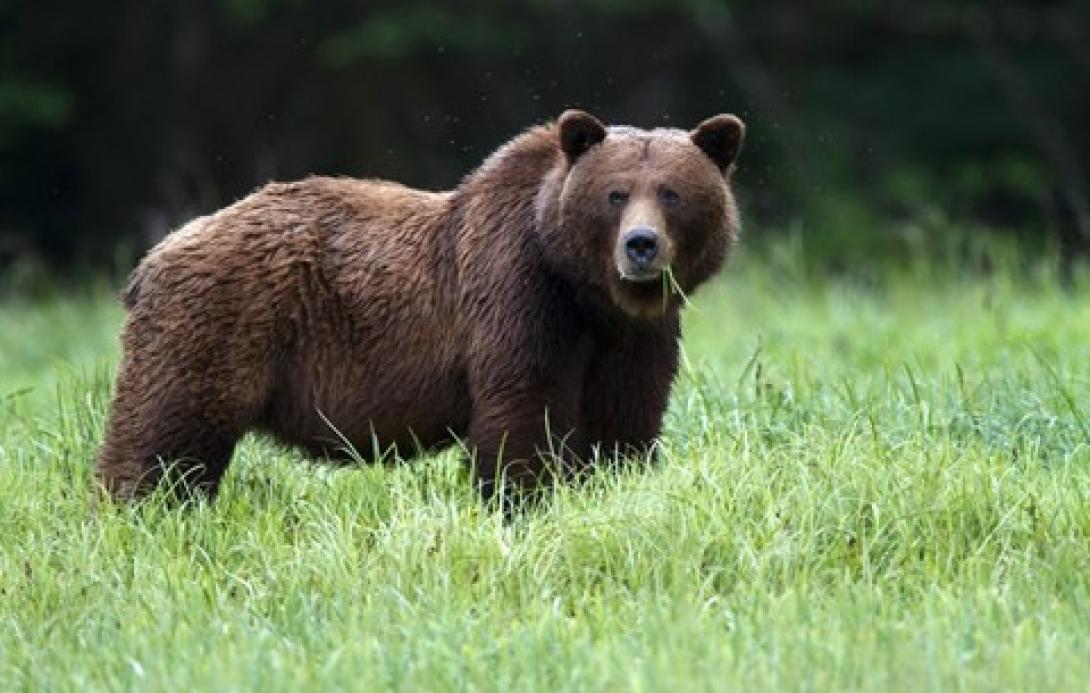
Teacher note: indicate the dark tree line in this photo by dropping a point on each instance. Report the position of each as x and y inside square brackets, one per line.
[870, 122]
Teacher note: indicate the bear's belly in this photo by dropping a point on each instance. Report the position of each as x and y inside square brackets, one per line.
[379, 411]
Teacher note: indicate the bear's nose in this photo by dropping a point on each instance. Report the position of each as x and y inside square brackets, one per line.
[641, 244]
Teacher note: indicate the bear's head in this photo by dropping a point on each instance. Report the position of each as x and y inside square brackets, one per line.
[645, 216]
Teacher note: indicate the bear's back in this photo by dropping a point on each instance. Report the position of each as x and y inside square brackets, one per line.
[336, 287]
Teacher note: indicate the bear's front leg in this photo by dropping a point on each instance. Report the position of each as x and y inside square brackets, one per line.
[526, 400]
[627, 390]
[521, 436]
[526, 366]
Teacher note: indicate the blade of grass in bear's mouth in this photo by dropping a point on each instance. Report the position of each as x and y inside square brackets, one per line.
[645, 278]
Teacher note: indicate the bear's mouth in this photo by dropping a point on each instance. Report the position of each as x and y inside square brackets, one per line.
[640, 276]
[644, 294]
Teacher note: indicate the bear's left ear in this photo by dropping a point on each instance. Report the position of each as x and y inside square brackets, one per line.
[720, 137]
[579, 131]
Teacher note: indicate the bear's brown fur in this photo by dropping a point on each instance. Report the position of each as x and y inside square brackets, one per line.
[335, 309]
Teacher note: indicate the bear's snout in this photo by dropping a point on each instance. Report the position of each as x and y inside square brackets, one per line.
[642, 254]
[641, 245]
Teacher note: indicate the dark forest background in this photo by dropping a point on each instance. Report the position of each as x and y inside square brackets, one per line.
[875, 128]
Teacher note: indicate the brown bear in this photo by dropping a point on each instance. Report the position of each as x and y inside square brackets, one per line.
[533, 312]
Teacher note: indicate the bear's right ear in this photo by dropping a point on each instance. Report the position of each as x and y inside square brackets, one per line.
[579, 131]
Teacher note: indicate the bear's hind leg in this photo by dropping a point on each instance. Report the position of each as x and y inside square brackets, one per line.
[170, 430]
[176, 447]
[201, 473]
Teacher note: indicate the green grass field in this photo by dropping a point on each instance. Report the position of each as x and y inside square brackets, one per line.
[879, 484]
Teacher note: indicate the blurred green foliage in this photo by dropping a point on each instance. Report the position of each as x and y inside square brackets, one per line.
[875, 128]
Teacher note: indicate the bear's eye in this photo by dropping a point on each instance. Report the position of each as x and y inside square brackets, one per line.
[670, 197]
[617, 198]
